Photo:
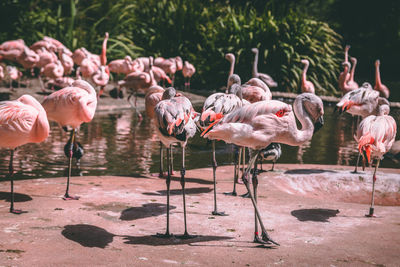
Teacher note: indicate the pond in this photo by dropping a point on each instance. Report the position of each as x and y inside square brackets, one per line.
[116, 144]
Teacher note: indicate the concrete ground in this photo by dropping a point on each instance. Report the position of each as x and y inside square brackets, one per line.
[315, 212]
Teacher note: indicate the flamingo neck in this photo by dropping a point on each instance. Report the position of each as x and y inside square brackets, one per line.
[353, 70]
[304, 75]
[307, 126]
[378, 82]
[230, 73]
[103, 57]
[255, 65]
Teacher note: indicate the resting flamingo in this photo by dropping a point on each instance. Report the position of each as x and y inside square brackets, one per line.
[71, 106]
[124, 66]
[379, 86]
[22, 121]
[174, 124]
[267, 79]
[11, 50]
[375, 136]
[188, 71]
[306, 86]
[259, 124]
[215, 107]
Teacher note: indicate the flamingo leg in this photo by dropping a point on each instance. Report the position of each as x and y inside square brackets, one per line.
[273, 165]
[168, 182]
[371, 209]
[183, 171]
[238, 155]
[214, 164]
[358, 160]
[264, 235]
[70, 149]
[11, 176]
[161, 173]
[255, 185]
[246, 195]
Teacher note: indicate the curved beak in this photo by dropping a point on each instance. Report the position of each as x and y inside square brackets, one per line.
[318, 124]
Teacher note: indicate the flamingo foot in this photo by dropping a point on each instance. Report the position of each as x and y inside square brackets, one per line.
[230, 193]
[371, 213]
[219, 213]
[166, 235]
[265, 239]
[186, 236]
[17, 212]
[68, 197]
[247, 195]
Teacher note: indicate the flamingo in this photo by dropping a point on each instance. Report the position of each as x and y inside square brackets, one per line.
[102, 75]
[231, 58]
[66, 60]
[1, 73]
[58, 44]
[28, 58]
[160, 75]
[11, 50]
[22, 121]
[124, 66]
[188, 71]
[168, 65]
[136, 81]
[347, 85]
[268, 80]
[351, 83]
[259, 124]
[306, 86]
[375, 136]
[256, 90]
[379, 86]
[174, 124]
[215, 107]
[43, 43]
[71, 106]
[271, 153]
[13, 74]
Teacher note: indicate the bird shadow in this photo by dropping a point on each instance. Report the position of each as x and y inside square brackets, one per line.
[315, 215]
[153, 240]
[188, 191]
[88, 235]
[308, 171]
[193, 180]
[17, 197]
[146, 210]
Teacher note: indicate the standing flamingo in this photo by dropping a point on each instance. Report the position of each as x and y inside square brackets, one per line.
[22, 121]
[102, 75]
[174, 124]
[258, 125]
[306, 86]
[215, 107]
[188, 71]
[346, 85]
[375, 136]
[71, 106]
[379, 86]
[262, 76]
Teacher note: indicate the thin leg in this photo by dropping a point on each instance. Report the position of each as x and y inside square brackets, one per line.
[246, 195]
[238, 153]
[273, 165]
[264, 235]
[72, 141]
[161, 173]
[358, 160]
[214, 164]
[255, 185]
[172, 159]
[11, 176]
[137, 111]
[183, 171]
[371, 209]
[168, 182]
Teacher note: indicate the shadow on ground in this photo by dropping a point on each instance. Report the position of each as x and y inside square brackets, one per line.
[308, 171]
[146, 210]
[17, 197]
[188, 191]
[152, 240]
[315, 215]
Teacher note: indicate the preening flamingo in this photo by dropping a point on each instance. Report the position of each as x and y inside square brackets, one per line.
[22, 121]
[71, 106]
[379, 86]
[174, 124]
[215, 107]
[259, 124]
[188, 71]
[306, 86]
[267, 79]
[375, 136]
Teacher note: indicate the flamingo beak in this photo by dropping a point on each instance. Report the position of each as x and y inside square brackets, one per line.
[318, 124]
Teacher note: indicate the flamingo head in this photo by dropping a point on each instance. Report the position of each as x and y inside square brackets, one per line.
[254, 50]
[230, 57]
[346, 65]
[233, 79]
[377, 63]
[169, 93]
[305, 62]
[353, 60]
[314, 107]
[346, 48]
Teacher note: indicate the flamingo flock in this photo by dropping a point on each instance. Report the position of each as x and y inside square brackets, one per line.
[245, 115]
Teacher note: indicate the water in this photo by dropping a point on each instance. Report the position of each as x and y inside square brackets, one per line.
[115, 144]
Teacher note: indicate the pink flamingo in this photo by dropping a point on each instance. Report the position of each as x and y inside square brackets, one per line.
[13, 74]
[1, 73]
[45, 57]
[215, 107]
[344, 78]
[71, 106]
[22, 121]
[28, 58]
[174, 124]
[66, 61]
[168, 65]
[11, 50]
[136, 81]
[351, 84]
[259, 124]
[124, 66]
[52, 70]
[160, 75]
[306, 86]
[256, 90]
[379, 86]
[82, 53]
[58, 45]
[375, 136]
[188, 71]
[262, 76]
[45, 44]
[102, 75]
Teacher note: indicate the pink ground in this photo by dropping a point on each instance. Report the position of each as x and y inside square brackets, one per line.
[315, 212]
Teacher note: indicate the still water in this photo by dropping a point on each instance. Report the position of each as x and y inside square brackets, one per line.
[116, 144]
